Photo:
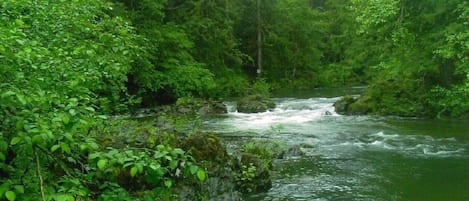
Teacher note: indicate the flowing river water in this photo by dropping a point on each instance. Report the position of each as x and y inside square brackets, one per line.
[355, 157]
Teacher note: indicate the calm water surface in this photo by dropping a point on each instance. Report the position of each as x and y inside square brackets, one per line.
[355, 157]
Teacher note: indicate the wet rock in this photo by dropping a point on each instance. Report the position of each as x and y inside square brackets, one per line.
[255, 104]
[348, 105]
[255, 174]
[295, 151]
[215, 188]
[183, 109]
[184, 106]
[361, 106]
[342, 106]
[206, 146]
[195, 106]
[255, 163]
[208, 149]
[212, 108]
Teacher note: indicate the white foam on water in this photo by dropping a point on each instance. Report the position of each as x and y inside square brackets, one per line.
[287, 112]
[414, 145]
[442, 152]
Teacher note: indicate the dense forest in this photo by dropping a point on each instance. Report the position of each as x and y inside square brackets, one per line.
[67, 65]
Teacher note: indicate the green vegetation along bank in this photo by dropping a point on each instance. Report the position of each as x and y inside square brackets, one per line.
[68, 65]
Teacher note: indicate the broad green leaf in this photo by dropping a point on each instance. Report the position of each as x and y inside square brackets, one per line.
[65, 197]
[72, 112]
[102, 116]
[54, 147]
[3, 146]
[178, 151]
[139, 167]
[69, 137]
[4, 188]
[10, 195]
[193, 169]
[19, 22]
[65, 147]
[133, 171]
[156, 166]
[21, 99]
[2, 156]
[19, 189]
[173, 164]
[8, 93]
[66, 119]
[15, 140]
[102, 164]
[38, 139]
[168, 183]
[83, 147]
[201, 175]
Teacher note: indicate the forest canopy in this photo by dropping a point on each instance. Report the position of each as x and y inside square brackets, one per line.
[66, 65]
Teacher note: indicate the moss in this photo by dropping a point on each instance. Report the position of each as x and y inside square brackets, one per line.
[361, 106]
[255, 164]
[206, 147]
[135, 133]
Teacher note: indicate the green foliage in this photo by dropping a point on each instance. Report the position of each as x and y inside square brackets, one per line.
[266, 150]
[255, 164]
[452, 102]
[373, 14]
[186, 44]
[231, 85]
[190, 81]
[143, 168]
[57, 70]
[409, 79]
[65, 65]
[261, 87]
[246, 179]
[62, 65]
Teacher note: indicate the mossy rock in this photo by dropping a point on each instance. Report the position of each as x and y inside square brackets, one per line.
[212, 108]
[206, 147]
[255, 104]
[348, 105]
[194, 106]
[361, 106]
[255, 164]
[254, 175]
[141, 134]
[342, 106]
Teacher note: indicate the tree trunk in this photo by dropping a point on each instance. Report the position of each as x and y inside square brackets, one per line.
[446, 72]
[259, 38]
[401, 16]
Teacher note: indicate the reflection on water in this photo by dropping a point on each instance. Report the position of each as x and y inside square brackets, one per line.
[356, 157]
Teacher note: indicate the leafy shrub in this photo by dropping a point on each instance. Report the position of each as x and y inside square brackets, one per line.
[62, 64]
[261, 87]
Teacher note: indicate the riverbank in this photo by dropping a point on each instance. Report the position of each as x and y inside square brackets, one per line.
[353, 157]
[227, 174]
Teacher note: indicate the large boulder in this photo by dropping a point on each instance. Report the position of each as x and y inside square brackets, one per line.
[208, 149]
[255, 104]
[255, 161]
[254, 175]
[193, 106]
[348, 105]
[342, 105]
[212, 108]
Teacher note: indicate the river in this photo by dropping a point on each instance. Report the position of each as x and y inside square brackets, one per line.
[355, 157]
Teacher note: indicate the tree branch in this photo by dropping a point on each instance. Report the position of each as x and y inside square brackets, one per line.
[38, 171]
